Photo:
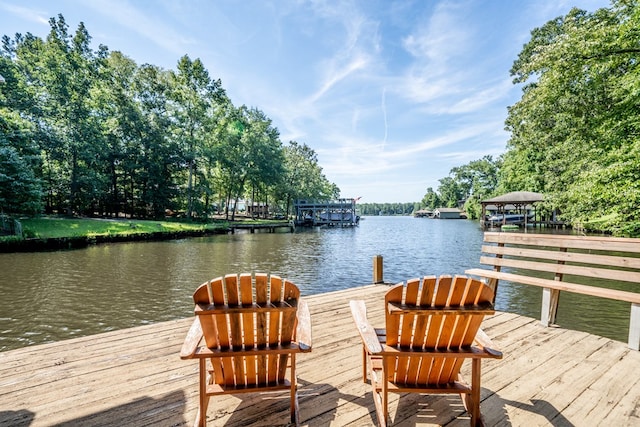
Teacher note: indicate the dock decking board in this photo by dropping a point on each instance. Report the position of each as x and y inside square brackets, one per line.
[548, 377]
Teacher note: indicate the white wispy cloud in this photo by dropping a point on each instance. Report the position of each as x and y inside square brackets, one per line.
[353, 51]
[26, 13]
[461, 134]
[348, 55]
[359, 156]
[444, 36]
[478, 98]
[440, 76]
[130, 16]
[336, 74]
[419, 86]
[384, 115]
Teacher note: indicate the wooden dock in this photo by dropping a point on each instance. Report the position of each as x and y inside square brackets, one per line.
[134, 377]
[270, 227]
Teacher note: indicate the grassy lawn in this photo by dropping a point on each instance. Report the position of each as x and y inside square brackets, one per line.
[46, 227]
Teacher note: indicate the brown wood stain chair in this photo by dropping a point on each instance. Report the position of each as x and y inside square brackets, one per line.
[246, 335]
[430, 331]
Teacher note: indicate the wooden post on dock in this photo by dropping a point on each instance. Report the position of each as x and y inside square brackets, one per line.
[377, 269]
[634, 327]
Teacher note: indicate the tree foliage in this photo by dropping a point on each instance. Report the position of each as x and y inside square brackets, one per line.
[388, 209]
[466, 186]
[574, 133]
[303, 177]
[89, 132]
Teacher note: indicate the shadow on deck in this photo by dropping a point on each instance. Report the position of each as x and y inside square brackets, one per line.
[134, 377]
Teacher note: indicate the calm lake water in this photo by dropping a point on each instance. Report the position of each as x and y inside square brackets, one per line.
[51, 296]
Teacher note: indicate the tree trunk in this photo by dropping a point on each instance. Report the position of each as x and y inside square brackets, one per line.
[253, 197]
[235, 206]
[74, 183]
[226, 206]
[266, 206]
[190, 190]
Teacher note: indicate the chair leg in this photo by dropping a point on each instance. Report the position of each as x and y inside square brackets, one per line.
[378, 381]
[295, 417]
[385, 393]
[378, 400]
[294, 392]
[474, 397]
[201, 418]
[364, 364]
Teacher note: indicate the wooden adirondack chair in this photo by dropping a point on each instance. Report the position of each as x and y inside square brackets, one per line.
[430, 332]
[250, 332]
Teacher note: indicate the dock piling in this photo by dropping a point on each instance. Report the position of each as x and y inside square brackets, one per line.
[377, 270]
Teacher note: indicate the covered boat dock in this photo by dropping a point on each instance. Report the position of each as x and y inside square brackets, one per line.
[340, 212]
[517, 208]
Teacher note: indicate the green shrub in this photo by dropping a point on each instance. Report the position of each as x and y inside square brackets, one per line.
[28, 233]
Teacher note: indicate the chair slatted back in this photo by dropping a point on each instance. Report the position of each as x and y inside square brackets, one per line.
[433, 314]
[242, 313]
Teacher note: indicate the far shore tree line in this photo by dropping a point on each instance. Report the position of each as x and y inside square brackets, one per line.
[86, 132]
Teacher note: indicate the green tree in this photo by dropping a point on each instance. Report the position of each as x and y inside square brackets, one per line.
[431, 199]
[68, 69]
[59, 73]
[121, 122]
[266, 158]
[574, 133]
[20, 184]
[232, 157]
[195, 99]
[477, 180]
[302, 177]
[20, 189]
[450, 192]
[91, 132]
[159, 160]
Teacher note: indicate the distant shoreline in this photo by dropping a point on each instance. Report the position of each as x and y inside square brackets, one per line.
[78, 242]
[43, 234]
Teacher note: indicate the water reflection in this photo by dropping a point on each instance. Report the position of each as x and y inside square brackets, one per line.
[56, 295]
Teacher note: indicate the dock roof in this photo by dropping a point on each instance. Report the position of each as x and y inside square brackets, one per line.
[516, 197]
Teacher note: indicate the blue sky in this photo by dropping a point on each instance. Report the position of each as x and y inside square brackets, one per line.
[390, 94]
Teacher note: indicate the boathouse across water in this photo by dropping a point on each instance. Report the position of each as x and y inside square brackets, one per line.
[340, 212]
[522, 203]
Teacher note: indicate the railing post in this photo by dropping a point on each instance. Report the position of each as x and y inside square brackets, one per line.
[377, 269]
[549, 309]
[634, 328]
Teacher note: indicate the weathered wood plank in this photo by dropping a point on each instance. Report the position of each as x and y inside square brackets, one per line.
[574, 368]
[616, 294]
[603, 386]
[549, 376]
[601, 258]
[572, 257]
[592, 243]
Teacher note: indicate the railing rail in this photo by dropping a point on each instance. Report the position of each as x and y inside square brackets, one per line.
[561, 256]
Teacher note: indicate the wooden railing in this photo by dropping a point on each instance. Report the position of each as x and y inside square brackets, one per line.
[560, 257]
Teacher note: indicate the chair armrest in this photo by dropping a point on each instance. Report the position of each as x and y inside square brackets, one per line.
[483, 341]
[303, 330]
[367, 332]
[191, 341]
